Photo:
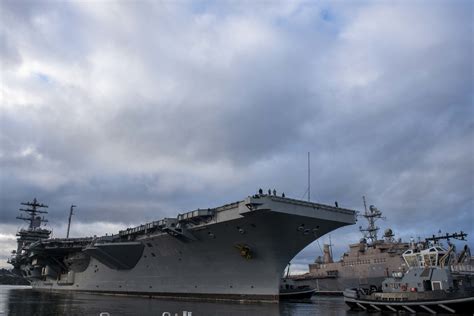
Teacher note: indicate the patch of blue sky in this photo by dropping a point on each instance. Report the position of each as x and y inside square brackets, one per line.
[321, 20]
[327, 15]
[42, 77]
[207, 7]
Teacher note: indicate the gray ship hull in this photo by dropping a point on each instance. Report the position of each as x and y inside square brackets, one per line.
[336, 286]
[240, 253]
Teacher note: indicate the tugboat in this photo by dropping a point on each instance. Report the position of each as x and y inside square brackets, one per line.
[290, 290]
[430, 285]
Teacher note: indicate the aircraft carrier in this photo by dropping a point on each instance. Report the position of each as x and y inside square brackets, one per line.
[236, 251]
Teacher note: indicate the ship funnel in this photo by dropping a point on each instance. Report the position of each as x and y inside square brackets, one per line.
[327, 254]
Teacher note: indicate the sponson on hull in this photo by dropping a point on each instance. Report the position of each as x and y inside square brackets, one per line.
[235, 251]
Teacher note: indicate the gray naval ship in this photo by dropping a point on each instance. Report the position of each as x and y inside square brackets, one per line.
[431, 284]
[367, 263]
[236, 251]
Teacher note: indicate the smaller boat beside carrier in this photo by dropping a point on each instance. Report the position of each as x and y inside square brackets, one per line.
[289, 290]
[431, 284]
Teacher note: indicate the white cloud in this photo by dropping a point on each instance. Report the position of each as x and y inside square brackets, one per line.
[7, 245]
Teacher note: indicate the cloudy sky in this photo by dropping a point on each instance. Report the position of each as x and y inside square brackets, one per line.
[136, 110]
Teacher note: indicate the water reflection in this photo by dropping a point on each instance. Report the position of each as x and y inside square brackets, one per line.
[16, 300]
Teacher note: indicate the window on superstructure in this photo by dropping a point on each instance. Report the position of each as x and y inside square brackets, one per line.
[426, 259]
[433, 259]
[411, 261]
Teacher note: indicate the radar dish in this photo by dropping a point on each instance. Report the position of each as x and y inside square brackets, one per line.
[388, 233]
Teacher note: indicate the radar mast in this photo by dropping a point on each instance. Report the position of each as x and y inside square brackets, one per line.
[372, 215]
[34, 232]
[33, 209]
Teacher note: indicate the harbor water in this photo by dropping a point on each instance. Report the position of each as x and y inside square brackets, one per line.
[24, 301]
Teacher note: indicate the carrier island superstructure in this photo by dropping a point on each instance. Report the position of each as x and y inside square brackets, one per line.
[236, 251]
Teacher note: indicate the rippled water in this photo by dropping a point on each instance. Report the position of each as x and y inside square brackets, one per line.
[23, 301]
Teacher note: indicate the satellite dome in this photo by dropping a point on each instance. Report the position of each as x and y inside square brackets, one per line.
[388, 232]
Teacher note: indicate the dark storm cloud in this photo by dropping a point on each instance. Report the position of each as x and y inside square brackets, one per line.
[135, 111]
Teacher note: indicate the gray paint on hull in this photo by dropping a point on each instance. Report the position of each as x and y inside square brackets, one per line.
[213, 266]
[340, 284]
